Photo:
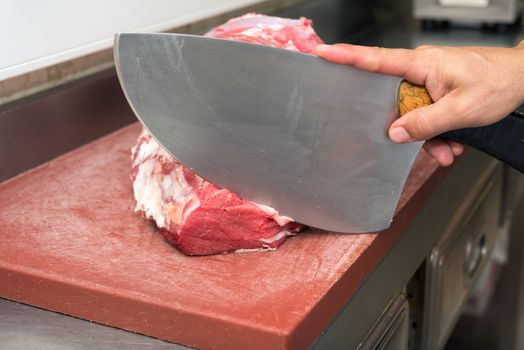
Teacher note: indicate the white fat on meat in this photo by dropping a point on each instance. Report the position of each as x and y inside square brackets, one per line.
[157, 193]
[159, 181]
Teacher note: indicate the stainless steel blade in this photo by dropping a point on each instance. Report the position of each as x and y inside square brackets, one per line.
[280, 128]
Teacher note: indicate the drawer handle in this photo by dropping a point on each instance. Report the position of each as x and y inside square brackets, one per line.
[475, 252]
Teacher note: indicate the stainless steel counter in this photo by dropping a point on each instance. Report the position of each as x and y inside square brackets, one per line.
[27, 327]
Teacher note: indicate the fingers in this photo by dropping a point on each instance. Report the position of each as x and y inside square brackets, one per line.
[451, 111]
[399, 62]
[440, 150]
[430, 121]
[422, 124]
[443, 151]
[456, 148]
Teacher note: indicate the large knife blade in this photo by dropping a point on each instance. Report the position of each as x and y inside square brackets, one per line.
[284, 129]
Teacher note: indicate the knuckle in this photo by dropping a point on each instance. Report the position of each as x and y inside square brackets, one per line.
[462, 108]
[423, 47]
[382, 52]
[462, 112]
[431, 50]
[429, 56]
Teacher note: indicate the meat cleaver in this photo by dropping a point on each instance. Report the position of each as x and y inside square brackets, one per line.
[285, 129]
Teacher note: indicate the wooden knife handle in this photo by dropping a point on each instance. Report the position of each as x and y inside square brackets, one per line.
[412, 96]
[502, 140]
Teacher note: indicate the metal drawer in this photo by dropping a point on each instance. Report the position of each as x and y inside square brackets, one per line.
[457, 260]
[390, 332]
[512, 191]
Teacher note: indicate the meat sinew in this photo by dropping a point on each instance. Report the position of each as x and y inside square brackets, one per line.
[193, 214]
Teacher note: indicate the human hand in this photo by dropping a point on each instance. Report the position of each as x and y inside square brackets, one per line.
[471, 86]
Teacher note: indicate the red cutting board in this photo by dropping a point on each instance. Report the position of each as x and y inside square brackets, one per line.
[71, 242]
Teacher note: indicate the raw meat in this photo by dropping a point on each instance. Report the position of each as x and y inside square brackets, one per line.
[193, 214]
[285, 33]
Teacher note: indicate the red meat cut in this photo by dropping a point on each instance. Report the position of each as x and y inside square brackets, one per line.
[193, 214]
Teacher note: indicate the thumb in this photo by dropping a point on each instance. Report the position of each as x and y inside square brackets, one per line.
[429, 121]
